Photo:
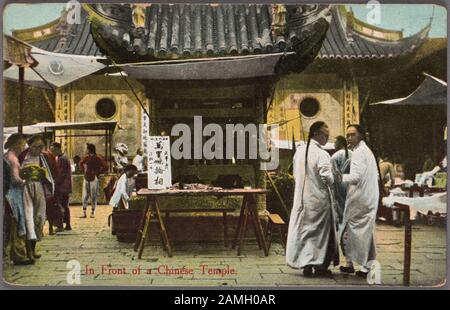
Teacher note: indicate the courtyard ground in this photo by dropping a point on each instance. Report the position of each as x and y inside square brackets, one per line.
[105, 261]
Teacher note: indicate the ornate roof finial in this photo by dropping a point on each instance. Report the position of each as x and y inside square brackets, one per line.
[278, 19]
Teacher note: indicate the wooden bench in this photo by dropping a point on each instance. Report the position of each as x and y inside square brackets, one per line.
[125, 223]
[223, 209]
[275, 221]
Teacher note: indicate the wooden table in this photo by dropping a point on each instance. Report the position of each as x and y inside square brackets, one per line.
[405, 209]
[248, 210]
[423, 190]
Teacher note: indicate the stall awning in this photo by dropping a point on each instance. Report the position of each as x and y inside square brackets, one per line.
[432, 91]
[26, 130]
[287, 144]
[206, 69]
[55, 68]
[48, 126]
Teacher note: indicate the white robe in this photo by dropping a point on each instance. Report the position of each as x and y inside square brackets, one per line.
[313, 220]
[341, 165]
[122, 192]
[138, 161]
[361, 205]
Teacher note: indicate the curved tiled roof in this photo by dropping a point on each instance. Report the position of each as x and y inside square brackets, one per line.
[341, 42]
[202, 30]
[76, 40]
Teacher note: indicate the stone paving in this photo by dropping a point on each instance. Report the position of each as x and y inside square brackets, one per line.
[105, 261]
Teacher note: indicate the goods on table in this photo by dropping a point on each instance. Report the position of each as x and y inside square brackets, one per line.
[136, 202]
[194, 186]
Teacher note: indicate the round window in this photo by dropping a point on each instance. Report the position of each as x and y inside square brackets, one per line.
[309, 107]
[105, 108]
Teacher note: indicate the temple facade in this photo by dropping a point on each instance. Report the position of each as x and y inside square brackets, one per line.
[354, 60]
[327, 74]
[283, 39]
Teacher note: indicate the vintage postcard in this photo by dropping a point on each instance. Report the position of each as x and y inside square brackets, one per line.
[224, 145]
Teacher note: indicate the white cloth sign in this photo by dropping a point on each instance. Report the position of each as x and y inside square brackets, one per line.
[159, 169]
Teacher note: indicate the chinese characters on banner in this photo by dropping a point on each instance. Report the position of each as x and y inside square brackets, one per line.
[159, 170]
[145, 133]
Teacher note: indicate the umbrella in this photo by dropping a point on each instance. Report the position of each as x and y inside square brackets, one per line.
[56, 69]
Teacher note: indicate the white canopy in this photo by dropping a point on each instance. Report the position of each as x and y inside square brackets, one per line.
[287, 144]
[57, 69]
[50, 126]
[26, 130]
[205, 68]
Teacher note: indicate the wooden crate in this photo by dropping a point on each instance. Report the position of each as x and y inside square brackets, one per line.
[136, 204]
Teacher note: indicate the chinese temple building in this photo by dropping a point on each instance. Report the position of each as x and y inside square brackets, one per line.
[357, 63]
[165, 64]
[284, 64]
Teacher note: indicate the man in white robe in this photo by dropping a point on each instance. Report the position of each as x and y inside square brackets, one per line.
[312, 239]
[124, 188]
[361, 204]
[340, 162]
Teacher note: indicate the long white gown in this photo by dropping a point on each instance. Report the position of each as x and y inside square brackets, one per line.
[341, 165]
[312, 218]
[361, 205]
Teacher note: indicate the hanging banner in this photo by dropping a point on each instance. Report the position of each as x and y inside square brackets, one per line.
[159, 169]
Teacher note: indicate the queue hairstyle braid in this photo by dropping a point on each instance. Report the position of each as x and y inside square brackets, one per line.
[342, 141]
[315, 127]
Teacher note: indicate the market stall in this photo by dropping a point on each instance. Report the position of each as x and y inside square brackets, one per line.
[78, 130]
[248, 211]
[410, 128]
[416, 125]
[410, 204]
[58, 131]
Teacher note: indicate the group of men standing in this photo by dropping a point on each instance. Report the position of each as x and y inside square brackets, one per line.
[335, 202]
[37, 183]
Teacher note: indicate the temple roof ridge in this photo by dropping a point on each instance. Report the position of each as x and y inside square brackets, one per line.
[344, 39]
[373, 32]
